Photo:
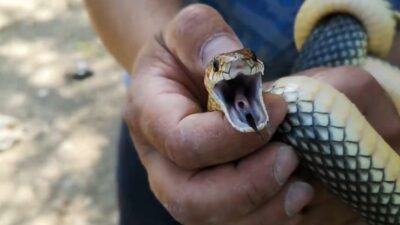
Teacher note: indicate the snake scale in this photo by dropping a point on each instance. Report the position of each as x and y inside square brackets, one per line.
[334, 140]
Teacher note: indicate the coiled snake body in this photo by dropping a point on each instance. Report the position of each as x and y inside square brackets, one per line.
[333, 138]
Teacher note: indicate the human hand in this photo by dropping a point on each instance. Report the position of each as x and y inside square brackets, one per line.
[200, 168]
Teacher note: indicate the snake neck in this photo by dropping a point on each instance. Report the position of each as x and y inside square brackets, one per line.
[337, 40]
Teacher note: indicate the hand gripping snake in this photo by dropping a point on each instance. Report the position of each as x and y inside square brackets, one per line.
[332, 137]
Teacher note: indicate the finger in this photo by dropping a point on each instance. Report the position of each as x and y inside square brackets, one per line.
[283, 208]
[223, 143]
[191, 138]
[197, 34]
[224, 192]
[167, 112]
[328, 207]
[369, 97]
[310, 73]
[366, 93]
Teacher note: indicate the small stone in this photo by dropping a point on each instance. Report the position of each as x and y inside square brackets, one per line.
[11, 132]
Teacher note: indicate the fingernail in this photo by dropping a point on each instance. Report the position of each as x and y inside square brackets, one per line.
[298, 196]
[216, 44]
[286, 162]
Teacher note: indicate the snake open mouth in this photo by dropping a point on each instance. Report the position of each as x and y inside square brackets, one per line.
[242, 98]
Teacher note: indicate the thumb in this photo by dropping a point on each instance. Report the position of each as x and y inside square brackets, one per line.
[197, 34]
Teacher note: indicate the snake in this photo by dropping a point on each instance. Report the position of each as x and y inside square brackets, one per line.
[333, 138]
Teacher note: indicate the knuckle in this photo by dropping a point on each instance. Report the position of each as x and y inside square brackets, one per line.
[130, 111]
[355, 83]
[256, 195]
[174, 198]
[365, 81]
[176, 208]
[181, 151]
[368, 83]
[182, 207]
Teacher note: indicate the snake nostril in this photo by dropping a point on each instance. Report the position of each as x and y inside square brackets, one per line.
[241, 104]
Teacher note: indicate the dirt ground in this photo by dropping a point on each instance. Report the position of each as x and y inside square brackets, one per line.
[62, 171]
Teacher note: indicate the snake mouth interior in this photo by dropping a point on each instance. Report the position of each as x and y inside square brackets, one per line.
[242, 98]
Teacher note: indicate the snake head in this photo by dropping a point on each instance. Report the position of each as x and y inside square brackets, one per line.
[233, 82]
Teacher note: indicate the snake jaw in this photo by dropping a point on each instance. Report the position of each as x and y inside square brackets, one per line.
[242, 102]
[233, 81]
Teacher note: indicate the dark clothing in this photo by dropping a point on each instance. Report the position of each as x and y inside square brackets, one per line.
[137, 204]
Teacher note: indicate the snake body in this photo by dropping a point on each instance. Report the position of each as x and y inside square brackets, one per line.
[330, 134]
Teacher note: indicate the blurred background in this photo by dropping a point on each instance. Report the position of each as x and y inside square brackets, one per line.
[61, 97]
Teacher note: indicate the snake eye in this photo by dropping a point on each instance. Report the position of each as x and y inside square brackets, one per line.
[215, 65]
